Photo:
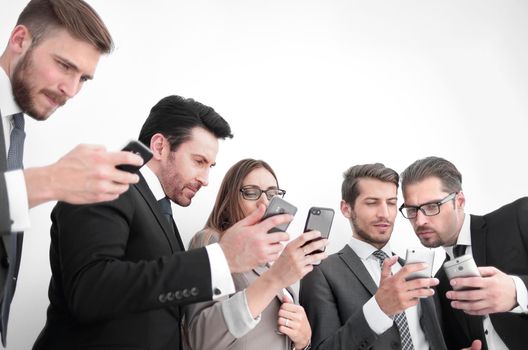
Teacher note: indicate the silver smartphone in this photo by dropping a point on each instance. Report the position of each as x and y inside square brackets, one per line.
[463, 266]
[278, 206]
[420, 255]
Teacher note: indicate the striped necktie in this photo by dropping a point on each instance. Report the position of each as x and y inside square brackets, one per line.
[399, 319]
[16, 146]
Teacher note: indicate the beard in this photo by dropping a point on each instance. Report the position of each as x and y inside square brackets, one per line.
[368, 237]
[25, 94]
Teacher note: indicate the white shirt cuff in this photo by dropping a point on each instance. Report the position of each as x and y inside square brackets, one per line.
[18, 200]
[377, 320]
[237, 315]
[221, 280]
[522, 296]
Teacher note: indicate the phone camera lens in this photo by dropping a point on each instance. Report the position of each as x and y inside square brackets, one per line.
[460, 268]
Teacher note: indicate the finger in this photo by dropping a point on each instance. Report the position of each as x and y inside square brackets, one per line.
[290, 315]
[487, 271]
[468, 282]
[319, 244]
[90, 147]
[254, 217]
[312, 258]
[275, 220]
[473, 307]
[123, 157]
[122, 177]
[468, 295]
[422, 283]
[290, 307]
[304, 238]
[286, 300]
[114, 188]
[421, 293]
[277, 237]
[406, 270]
[386, 268]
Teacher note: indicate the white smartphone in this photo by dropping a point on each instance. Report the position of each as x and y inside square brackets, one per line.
[420, 255]
[277, 206]
[463, 266]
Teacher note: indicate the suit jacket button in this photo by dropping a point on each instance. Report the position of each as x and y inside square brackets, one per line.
[162, 298]
[395, 345]
[194, 291]
[170, 296]
[217, 291]
[178, 294]
[186, 293]
[5, 261]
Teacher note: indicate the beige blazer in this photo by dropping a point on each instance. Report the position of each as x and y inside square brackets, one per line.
[205, 326]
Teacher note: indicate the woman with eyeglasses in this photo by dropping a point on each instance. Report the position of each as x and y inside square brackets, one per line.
[261, 314]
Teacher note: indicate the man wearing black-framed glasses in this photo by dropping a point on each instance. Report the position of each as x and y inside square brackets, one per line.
[496, 310]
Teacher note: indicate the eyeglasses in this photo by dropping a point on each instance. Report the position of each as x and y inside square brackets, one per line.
[253, 193]
[428, 209]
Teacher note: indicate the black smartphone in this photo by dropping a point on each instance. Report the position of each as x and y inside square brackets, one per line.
[319, 219]
[139, 149]
[277, 206]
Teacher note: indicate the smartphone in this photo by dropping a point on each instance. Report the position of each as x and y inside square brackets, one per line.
[463, 266]
[277, 206]
[139, 149]
[420, 255]
[319, 219]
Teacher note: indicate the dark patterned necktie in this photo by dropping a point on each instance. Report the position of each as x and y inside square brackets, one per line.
[166, 209]
[459, 250]
[16, 144]
[400, 319]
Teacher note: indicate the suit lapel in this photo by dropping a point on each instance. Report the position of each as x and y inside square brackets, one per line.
[147, 195]
[478, 239]
[354, 263]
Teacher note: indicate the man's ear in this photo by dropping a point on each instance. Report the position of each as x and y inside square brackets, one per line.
[158, 143]
[460, 200]
[20, 40]
[346, 209]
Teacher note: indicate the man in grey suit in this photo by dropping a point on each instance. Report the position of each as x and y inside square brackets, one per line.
[359, 298]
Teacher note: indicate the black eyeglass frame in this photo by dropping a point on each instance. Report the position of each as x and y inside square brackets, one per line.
[281, 192]
[444, 200]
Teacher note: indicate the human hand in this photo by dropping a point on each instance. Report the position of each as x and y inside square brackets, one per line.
[475, 345]
[86, 174]
[293, 322]
[295, 260]
[248, 244]
[493, 292]
[395, 294]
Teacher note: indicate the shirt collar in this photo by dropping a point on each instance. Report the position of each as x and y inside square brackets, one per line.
[8, 106]
[365, 250]
[464, 237]
[152, 182]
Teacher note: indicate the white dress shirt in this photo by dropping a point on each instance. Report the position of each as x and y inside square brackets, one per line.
[492, 337]
[378, 321]
[221, 280]
[16, 185]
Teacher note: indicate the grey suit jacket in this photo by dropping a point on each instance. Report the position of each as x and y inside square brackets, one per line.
[206, 327]
[333, 295]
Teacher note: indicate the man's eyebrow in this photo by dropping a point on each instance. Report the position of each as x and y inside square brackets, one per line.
[73, 66]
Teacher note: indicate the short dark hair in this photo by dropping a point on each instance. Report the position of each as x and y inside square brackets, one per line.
[41, 17]
[174, 117]
[351, 177]
[438, 167]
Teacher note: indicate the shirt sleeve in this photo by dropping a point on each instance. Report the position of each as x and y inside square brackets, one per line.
[237, 315]
[18, 200]
[522, 296]
[378, 321]
[221, 280]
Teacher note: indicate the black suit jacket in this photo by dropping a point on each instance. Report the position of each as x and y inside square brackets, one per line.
[498, 239]
[119, 276]
[333, 295]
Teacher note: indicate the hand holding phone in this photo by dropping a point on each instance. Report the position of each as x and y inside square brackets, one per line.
[319, 219]
[278, 206]
[140, 149]
[463, 266]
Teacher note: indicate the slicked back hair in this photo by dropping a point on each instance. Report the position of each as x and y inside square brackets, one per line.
[79, 19]
[437, 167]
[351, 177]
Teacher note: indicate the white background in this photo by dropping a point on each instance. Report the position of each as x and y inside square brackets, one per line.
[312, 87]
